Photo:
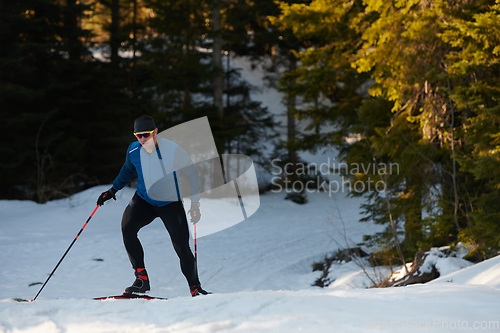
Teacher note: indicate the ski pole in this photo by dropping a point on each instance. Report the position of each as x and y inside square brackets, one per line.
[65, 253]
[195, 250]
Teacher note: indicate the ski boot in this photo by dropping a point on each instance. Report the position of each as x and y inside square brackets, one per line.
[196, 290]
[141, 283]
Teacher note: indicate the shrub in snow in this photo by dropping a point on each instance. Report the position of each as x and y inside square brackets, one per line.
[340, 257]
[430, 265]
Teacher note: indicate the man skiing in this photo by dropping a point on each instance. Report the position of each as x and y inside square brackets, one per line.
[156, 160]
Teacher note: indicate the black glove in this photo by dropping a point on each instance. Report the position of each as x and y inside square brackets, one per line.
[194, 211]
[105, 196]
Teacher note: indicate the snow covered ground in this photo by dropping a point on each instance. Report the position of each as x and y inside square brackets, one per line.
[259, 271]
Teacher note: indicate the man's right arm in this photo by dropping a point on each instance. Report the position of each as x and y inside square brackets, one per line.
[126, 173]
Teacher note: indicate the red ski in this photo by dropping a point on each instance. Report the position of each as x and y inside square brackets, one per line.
[128, 296]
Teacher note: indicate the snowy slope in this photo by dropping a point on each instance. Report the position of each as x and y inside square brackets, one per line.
[259, 271]
[485, 273]
[412, 309]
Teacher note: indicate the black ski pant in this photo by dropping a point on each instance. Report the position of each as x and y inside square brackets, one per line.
[140, 213]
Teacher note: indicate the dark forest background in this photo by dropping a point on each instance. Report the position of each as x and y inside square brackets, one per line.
[415, 82]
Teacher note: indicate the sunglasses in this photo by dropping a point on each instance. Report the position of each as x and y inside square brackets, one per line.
[145, 134]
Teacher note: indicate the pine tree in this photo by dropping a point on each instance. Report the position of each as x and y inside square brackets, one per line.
[473, 32]
[322, 89]
[403, 52]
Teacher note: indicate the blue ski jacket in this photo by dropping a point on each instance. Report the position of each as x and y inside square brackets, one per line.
[158, 182]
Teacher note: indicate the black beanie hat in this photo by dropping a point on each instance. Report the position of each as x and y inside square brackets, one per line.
[144, 123]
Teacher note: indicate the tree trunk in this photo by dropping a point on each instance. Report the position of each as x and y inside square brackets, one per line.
[393, 225]
[133, 77]
[291, 105]
[453, 156]
[228, 80]
[115, 39]
[187, 98]
[71, 29]
[217, 60]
